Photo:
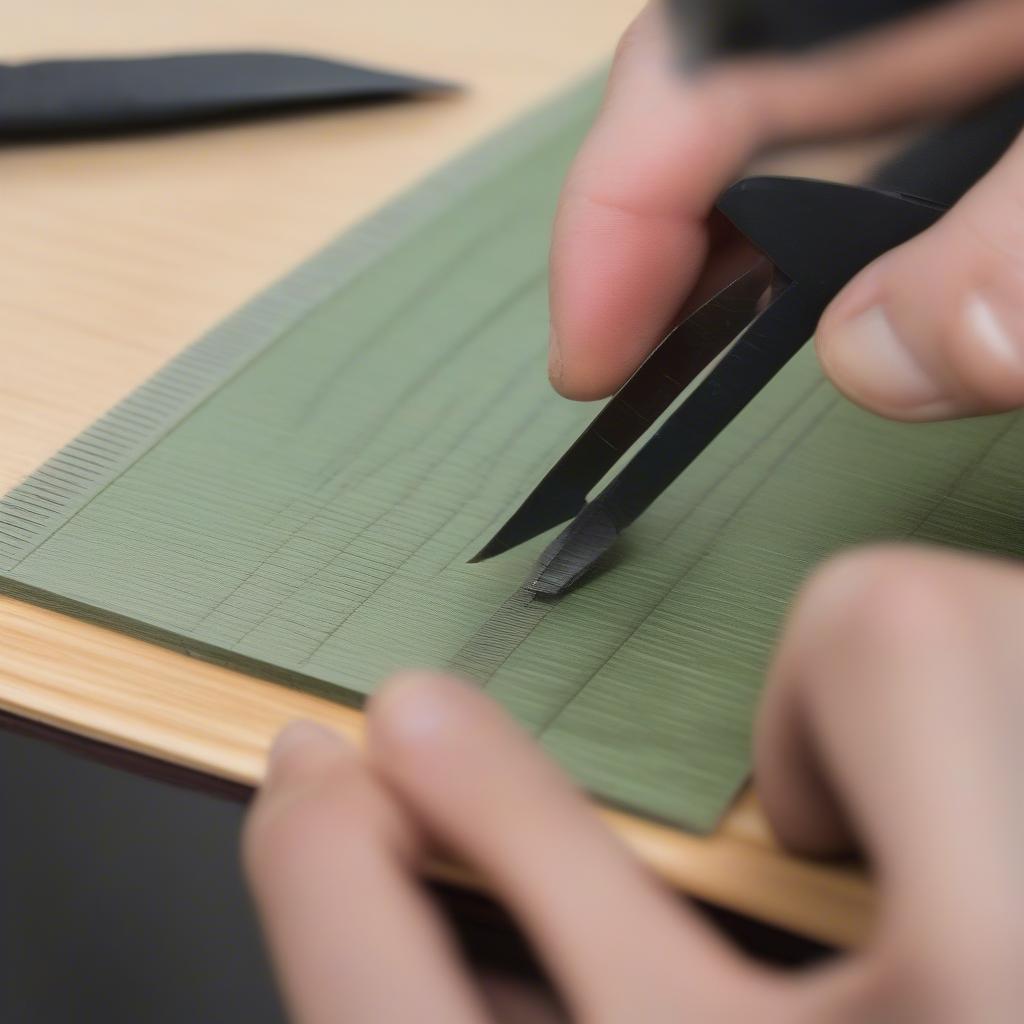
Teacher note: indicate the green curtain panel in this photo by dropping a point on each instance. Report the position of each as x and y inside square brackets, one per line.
[298, 494]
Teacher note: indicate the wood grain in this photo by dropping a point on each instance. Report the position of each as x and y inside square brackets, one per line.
[109, 687]
[119, 253]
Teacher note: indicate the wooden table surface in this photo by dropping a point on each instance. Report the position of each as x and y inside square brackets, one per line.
[118, 253]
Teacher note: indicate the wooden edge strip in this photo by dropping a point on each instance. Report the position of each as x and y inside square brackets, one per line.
[93, 682]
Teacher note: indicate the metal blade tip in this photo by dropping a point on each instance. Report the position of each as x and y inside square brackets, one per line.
[574, 552]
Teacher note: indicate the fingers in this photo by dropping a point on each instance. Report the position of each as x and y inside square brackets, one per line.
[616, 945]
[935, 329]
[331, 861]
[629, 236]
[896, 704]
[938, 61]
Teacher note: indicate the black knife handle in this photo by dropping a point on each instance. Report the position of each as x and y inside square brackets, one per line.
[944, 164]
[58, 98]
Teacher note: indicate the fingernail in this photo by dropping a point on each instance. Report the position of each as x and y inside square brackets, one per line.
[987, 328]
[554, 359]
[306, 737]
[868, 359]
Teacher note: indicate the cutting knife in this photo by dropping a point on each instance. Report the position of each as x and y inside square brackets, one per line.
[811, 237]
[49, 99]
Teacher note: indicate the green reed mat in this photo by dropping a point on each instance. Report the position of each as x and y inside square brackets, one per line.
[297, 495]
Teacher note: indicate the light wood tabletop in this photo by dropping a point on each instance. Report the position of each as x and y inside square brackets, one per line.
[118, 253]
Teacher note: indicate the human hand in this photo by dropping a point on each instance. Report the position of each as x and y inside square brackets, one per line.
[892, 722]
[933, 329]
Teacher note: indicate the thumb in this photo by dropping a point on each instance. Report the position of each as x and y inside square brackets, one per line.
[935, 328]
